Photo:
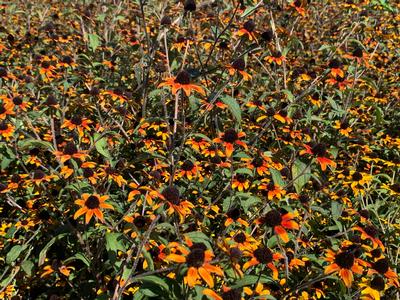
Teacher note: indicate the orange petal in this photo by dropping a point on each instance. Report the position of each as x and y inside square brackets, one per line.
[192, 276]
[212, 294]
[88, 216]
[347, 277]
[206, 276]
[331, 268]
[80, 212]
[279, 230]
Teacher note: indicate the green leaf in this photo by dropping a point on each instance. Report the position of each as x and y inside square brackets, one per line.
[78, 256]
[13, 254]
[233, 107]
[27, 266]
[94, 41]
[114, 242]
[250, 280]
[157, 281]
[102, 147]
[300, 168]
[277, 177]
[289, 95]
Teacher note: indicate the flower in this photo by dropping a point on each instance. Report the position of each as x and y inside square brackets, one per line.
[263, 255]
[319, 150]
[276, 57]
[229, 138]
[92, 205]
[298, 5]
[176, 204]
[247, 30]
[182, 81]
[198, 260]
[238, 66]
[78, 123]
[69, 151]
[240, 182]
[6, 130]
[345, 263]
[279, 222]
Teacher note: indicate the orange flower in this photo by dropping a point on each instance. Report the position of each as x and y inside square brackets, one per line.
[6, 109]
[247, 30]
[6, 130]
[276, 57]
[345, 263]
[370, 232]
[182, 81]
[92, 205]
[234, 216]
[263, 255]
[271, 190]
[238, 66]
[279, 222]
[320, 151]
[70, 151]
[78, 123]
[335, 67]
[176, 204]
[381, 266]
[298, 5]
[240, 182]
[229, 138]
[359, 55]
[198, 259]
[189, 169]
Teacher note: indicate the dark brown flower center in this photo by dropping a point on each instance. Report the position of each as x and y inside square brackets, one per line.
[257, 162]
[17, 100]
[267, 35]
[395, 187]
[196, 257]
[378, 283]
[381, 265]
[319, 149]
[166, 20]
[249, 26]
[70, 149]
[357, 176]
[67, 59]
[239, 64]
[190, 5]
[38, 174]
[3, 72]
[183, 77]
[358, 52]
[371, 230]
[2, 109]
[87, 172]
[46, 64]
[2, 187]
[335, 64]
[76, 120]
[3, 126]
[240, 238]
[171, 194]
[345, 260]
[241, 178]
[272, 218]
[140, 221]
[230, 136]
[51, 100]
[92, 202]
[263, 255]
[234, 213]
[234, 294]
[187, 165]
[15, 178]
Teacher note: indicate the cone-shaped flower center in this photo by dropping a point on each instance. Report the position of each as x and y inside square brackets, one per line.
[171, 194]
[345, 260]
[196, 257]
[92, 202]
[183, 77]
[273, 218]
[230, 136]
[319, 150]
[263, 255]
[381, 265]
